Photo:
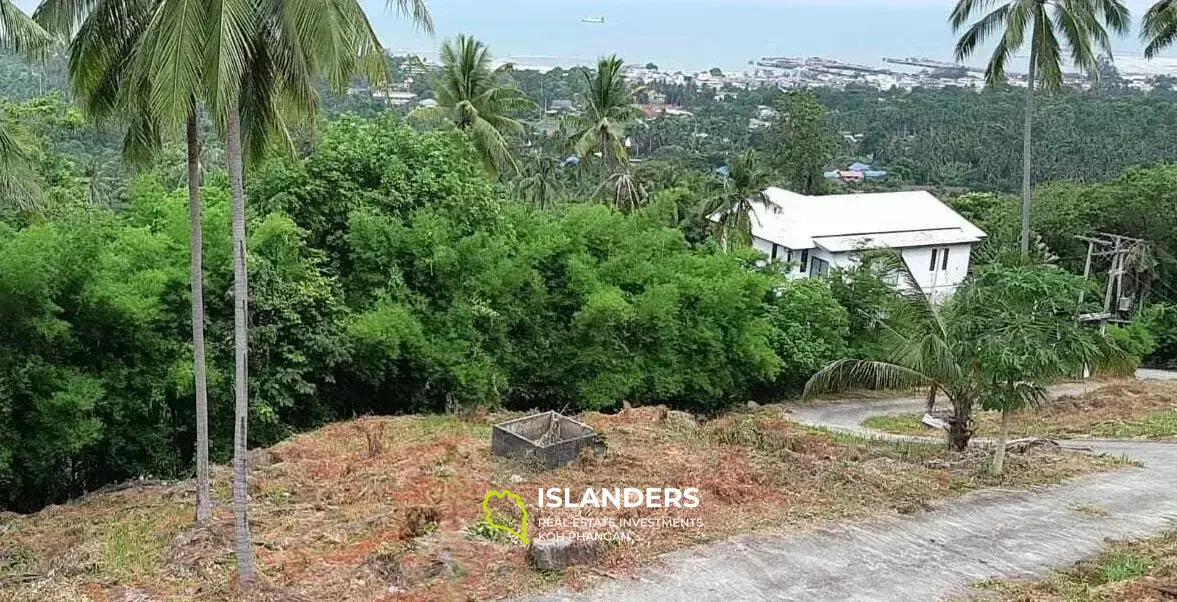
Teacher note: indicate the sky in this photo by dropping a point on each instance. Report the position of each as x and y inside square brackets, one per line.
[688, 34]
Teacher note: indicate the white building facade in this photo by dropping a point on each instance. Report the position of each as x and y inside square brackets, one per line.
[818, 233]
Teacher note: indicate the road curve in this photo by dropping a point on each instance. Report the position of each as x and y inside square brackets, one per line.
[930, 556]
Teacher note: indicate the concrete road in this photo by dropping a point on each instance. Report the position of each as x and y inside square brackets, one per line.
[929, 556]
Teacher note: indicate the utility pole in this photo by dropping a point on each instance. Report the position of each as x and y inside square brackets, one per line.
[1117, 248]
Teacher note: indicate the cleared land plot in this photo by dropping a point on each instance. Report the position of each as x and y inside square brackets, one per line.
[390, 508]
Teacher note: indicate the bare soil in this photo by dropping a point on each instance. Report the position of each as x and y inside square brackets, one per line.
[389, 509]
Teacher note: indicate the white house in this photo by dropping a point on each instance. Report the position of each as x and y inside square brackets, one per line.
[822, 232]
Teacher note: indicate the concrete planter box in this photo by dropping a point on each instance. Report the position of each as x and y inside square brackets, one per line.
[550, 440]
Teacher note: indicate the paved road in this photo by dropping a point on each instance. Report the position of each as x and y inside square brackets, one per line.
[930, 556]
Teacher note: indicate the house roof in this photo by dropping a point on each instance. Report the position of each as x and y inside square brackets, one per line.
[844, 222]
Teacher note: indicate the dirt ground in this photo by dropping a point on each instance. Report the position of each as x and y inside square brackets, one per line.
[389, 509]
[1127, 410]
[1132, 571]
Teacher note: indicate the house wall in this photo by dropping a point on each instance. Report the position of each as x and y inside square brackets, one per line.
[940, 282]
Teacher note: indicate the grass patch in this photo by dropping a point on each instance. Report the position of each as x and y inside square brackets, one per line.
[1146, 410]
[1126, 571]
[900, 424]
[1089, 510]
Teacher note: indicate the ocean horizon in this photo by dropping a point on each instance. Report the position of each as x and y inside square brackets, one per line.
[692, 34]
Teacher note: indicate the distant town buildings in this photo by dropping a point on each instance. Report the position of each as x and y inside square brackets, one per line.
[856, 172]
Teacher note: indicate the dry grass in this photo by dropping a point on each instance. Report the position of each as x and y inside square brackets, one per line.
[1135, 571]
[1145, 409]
[389, 509]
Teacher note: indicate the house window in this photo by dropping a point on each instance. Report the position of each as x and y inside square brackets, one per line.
[804, 258]
[819, 267]
[789, 255]
[774, 251]
[940, 254]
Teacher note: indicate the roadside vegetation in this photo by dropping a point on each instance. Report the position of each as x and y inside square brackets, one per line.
[389, 508]
[1131, 410]
[1126, 571]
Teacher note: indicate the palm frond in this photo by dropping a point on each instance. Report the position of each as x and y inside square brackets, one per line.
[170, 57]
[980, 31]
[20, 33]
[1158, 28]
[867, 374]
[417, 11]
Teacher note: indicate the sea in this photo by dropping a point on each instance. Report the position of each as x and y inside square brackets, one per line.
[692, 34]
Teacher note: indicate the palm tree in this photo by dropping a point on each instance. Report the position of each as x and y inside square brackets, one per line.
[1081, 25]
[733, 208]
[540, 181]
[622, 191]
[19, 183]
[925, 351]
[994, 345]
[104, 37]
[471, 95]
[249, 62]
[611, 106]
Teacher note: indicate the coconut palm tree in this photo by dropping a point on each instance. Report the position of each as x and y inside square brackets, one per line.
[622, 191]
[19, 183]
[103, 38]
[471, 95]
[924, 351]
[540, 181]
[610, 107]
[1080, 25]
[734, 206]
[252, 64]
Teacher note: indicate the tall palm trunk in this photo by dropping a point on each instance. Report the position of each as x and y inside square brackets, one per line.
[195, 223]
[1031, 76]
[1002, 438]
[246, 565]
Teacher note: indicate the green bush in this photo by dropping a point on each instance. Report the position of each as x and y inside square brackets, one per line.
[1160, 320]
[1135, 339]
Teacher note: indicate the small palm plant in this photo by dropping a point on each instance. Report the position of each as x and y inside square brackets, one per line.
[995, 345]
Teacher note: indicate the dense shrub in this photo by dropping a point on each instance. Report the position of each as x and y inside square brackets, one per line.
[386, 276]
[1161, 322]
